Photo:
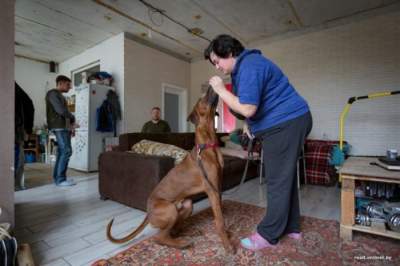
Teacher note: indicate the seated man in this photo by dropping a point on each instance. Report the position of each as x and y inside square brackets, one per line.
[156, 125]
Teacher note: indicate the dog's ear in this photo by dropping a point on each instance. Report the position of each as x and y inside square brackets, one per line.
[193, 117]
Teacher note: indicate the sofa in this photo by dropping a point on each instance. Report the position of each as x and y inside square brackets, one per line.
[129, 178]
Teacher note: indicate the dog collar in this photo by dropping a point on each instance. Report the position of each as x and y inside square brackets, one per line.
[201, 147]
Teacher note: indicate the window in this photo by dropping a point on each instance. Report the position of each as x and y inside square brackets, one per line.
[89, 69]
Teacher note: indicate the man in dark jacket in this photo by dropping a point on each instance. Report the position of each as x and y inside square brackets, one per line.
[24, 114]
[62, 123]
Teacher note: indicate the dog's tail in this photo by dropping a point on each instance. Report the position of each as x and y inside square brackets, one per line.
[128, 237]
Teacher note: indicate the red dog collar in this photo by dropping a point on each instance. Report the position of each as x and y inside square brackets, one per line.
[201, 147]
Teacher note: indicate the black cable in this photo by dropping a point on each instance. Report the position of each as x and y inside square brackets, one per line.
[163, 13]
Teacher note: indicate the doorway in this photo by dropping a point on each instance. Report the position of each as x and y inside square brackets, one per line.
[174, 107]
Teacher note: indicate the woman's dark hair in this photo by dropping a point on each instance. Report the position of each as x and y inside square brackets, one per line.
[223, 45]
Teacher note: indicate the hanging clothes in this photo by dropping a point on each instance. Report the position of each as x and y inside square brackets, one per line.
[115, 106]
[104, 121]
[109, 113]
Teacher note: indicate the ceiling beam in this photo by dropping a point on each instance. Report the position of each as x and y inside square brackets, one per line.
[32, 59]
[295, 14]
[146, 42]
[235, 34]
[123, 14]
[370, 13]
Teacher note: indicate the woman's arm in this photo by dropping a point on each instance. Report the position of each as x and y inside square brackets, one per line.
[231, 100]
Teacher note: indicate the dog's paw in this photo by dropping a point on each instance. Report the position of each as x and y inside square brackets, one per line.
[183, 243]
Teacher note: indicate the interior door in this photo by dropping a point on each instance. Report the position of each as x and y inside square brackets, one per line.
[171, 110]
[174, 107]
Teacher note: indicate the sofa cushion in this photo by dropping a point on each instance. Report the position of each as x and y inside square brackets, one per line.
[149, 147]
[182, 140]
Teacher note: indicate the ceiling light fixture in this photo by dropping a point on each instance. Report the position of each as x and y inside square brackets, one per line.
[196, 31]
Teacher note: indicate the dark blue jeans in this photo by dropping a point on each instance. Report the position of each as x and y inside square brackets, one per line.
[64, 152]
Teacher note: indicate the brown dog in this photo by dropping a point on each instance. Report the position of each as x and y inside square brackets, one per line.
[201, 171]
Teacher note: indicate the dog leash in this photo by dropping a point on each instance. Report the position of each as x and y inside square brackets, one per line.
[250, 156]
[200, 148]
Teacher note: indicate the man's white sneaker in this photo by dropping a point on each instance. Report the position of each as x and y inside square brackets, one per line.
[66, 183]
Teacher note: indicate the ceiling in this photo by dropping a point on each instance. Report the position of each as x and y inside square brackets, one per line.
[55, 30]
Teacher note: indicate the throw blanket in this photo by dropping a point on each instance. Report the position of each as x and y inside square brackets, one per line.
[149, 147]
[318, 169]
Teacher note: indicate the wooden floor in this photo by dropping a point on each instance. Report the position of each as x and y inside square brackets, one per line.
[39, 174]
[66, 225]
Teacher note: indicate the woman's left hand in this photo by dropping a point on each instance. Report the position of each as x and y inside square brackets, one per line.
[217, 84]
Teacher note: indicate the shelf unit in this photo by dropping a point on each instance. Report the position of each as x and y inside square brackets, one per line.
[33, 145]
[359, 168]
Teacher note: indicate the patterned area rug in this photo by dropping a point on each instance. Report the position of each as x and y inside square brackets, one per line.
[320, 245]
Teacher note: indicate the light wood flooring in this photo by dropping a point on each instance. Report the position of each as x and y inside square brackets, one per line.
[39, 174]
[66, 226]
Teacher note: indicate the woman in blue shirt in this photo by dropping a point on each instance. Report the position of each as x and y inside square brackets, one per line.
[279, 116]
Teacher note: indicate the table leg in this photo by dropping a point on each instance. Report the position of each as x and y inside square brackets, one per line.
[347, 208]
[346, 233]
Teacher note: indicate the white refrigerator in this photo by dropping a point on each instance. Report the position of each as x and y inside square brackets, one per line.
[88, 143]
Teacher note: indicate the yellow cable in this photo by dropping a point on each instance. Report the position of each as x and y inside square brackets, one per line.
[341, 125]
[379, 94]
[344, 114]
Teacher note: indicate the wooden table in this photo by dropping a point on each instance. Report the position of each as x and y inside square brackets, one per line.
[359, 168]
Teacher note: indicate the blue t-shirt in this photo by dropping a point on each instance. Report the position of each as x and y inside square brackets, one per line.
[258, 81]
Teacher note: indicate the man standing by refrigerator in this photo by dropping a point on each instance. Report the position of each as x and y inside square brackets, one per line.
[62, 123]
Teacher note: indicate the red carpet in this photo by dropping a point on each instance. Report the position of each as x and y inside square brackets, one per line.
[320, 245]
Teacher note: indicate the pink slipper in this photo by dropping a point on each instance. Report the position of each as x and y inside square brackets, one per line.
[294, 235]
[255, 242]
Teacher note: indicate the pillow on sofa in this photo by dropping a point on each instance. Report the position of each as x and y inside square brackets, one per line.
[161, 149]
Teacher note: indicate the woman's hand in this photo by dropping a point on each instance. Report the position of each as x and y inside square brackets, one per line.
[231, 100]
[217, 84]
[247, 131]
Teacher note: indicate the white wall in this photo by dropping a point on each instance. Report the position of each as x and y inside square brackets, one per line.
[7, 111]
[138, 73]
[329, 66]
[110, 54]
[35, 79]
[145, 70]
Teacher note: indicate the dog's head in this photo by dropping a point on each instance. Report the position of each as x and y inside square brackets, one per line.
[204, 109]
